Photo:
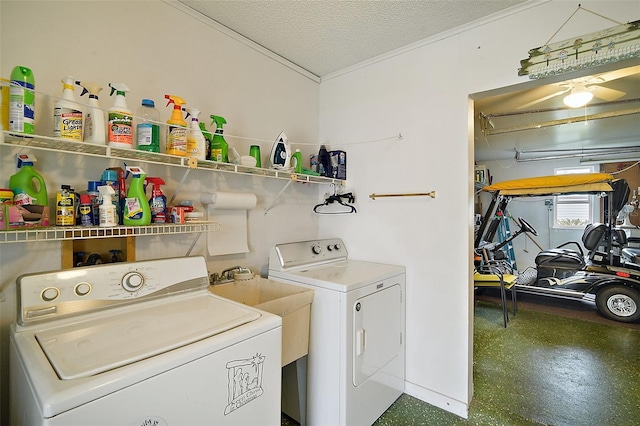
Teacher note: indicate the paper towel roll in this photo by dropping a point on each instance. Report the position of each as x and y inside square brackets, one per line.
[229, 209]
[229, 200]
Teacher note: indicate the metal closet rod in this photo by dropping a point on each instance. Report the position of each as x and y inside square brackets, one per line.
[431, 194]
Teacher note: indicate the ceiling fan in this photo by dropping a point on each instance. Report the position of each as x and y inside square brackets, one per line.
[584, 88]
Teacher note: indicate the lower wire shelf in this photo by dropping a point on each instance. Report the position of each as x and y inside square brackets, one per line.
[60, 233]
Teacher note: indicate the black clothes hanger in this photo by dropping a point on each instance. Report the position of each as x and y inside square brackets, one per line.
[337, 198]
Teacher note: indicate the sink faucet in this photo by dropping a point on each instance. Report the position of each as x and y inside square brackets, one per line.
[225, 276]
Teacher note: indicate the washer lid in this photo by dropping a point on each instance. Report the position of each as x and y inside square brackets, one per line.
[343, 276]
[115, 339]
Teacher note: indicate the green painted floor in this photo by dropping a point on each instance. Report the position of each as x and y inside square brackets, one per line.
[542, 369]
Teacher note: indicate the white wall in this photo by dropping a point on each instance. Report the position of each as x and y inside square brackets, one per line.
[422, 92]
[157, 48]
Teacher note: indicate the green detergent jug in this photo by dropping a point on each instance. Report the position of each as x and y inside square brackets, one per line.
[27, 185]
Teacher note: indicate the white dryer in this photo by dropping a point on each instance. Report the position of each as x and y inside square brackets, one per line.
[356, 361]
[142, 343]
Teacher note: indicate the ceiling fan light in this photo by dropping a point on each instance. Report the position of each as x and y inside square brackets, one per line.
[578, 99]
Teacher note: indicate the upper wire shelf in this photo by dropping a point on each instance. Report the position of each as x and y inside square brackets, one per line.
[46, 143]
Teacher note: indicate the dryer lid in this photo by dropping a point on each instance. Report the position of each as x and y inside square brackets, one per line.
[104, 342]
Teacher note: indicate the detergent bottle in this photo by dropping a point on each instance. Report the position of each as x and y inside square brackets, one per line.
[27, 185]
[136, 207]
[67, 114]
[22, 100]
[196, 143]
[158, 201]
[94, 130]
[219, 147]
[177, 128]
[120, 128]
[107, 209]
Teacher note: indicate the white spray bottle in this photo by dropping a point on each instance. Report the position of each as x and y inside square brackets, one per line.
[107, 208]
[94, 130]
[120, 119]
[67, 114]
[196, 143]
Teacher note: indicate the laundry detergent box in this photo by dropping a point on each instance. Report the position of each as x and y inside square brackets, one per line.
[23, 217]
[338, 164]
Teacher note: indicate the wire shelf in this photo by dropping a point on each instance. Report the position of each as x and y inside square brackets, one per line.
[59, 233]
[46, 143]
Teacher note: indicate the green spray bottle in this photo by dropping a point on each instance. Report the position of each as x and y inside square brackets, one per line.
[219, 147]
[136, 210]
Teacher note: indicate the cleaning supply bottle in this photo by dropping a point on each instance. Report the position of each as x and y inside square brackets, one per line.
[22, 99]
[157, 202]
[323, 161]
[177, 128]
[28, 186]
[4, 104]
[219, 147]
[136, 207]
[94, 130]
[65, 207]
[296, 161]
[120, 118]
[208, 139]
[110, 178]
[67, 114]
[107, 209]
[92, 191]
[196, 143]
[85, 210]
[148, 129]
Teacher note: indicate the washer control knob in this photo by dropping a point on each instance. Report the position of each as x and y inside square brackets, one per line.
[316, 249]
[132, 281]
[82, 289]
[329, 247]
[338, 246]
[49, 294]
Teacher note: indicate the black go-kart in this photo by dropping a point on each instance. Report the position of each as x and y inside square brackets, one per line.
[608, 273]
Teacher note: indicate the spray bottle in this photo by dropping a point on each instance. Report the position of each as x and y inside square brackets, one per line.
[136, 207]
[120, 118]
[67, 114]
[107, 209]
[94, 130]
[219, 147]
[158, 201]
[22, 100]
[177, 128]
[196, 143]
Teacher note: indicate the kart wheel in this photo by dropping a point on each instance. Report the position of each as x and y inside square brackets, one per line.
[619, 303]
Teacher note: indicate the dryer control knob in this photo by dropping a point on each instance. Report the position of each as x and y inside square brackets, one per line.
[316, 249]
[132, 281]
[50, 294]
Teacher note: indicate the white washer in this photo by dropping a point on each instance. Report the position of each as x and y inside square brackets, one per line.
[356, 362]
[142, 343]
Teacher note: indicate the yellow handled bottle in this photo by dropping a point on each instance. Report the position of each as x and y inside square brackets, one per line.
[177, 128]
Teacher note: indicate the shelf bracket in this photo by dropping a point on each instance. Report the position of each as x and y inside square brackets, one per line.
[278, 196]
[175, 193]
[195, 240]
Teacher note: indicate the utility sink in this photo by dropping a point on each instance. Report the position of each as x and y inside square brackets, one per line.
[291, 302]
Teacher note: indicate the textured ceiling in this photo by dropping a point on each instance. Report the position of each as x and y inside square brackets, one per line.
[325, 36]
